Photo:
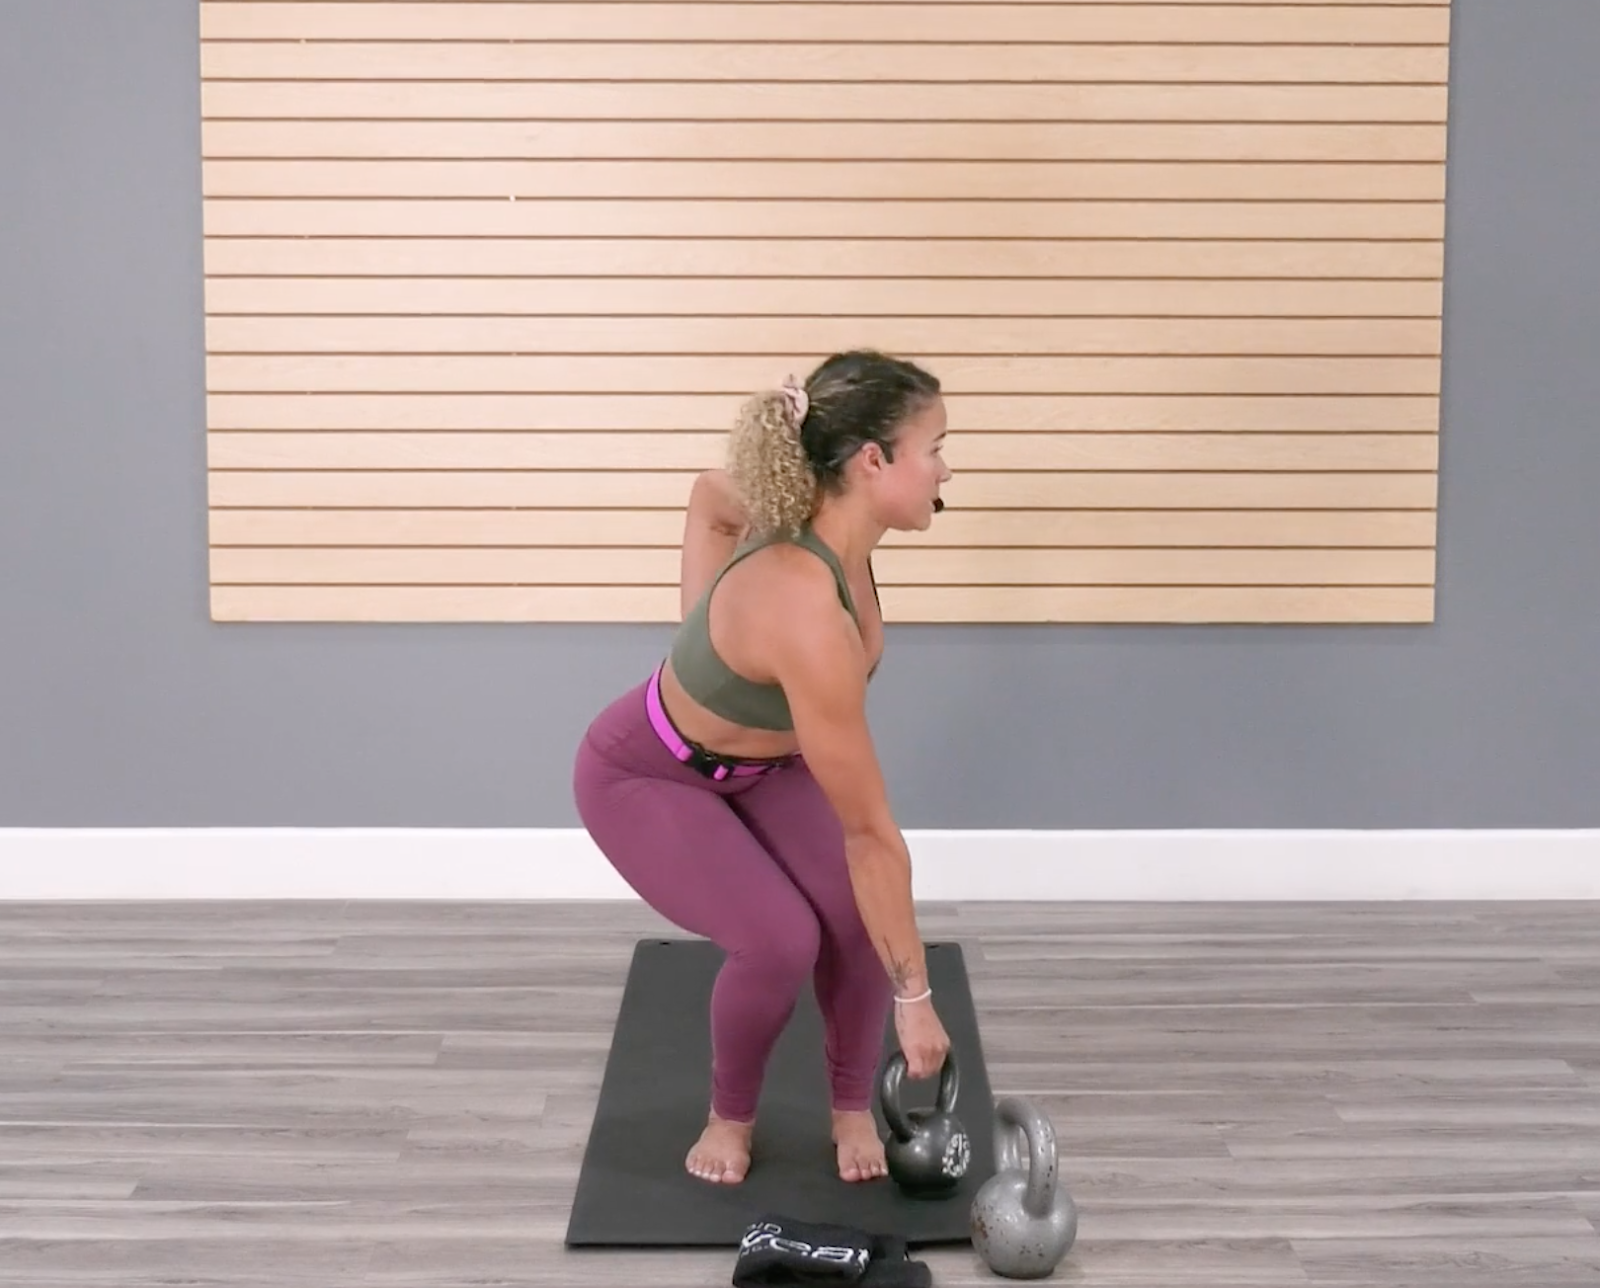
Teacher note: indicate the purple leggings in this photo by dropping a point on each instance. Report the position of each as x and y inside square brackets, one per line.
[757, 866]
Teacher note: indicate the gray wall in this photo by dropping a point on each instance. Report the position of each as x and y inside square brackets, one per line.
[122, 704]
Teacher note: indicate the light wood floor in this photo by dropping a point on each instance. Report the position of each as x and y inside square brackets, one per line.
[333, 1094]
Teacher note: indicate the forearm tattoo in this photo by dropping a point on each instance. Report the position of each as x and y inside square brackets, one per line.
[900, 971]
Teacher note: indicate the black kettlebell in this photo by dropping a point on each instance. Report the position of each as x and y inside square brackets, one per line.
[927, 1150]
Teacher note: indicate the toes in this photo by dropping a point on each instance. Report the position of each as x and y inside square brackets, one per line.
[714, 1171]
[858, 1167]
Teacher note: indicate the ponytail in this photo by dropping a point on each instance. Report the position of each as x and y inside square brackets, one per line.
[792, 444]
[769, 465]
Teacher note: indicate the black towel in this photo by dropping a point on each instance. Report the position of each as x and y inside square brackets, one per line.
[779, 1250]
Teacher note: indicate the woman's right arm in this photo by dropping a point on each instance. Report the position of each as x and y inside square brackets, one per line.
[713, 525]
[818, 658]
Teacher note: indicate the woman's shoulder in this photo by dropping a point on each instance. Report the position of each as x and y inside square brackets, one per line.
[786, 563]
[791, 596]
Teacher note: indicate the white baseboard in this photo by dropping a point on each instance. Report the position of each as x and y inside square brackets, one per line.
[1008, 866]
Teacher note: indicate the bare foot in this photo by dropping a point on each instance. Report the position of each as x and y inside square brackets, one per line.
[860, 1150]
[722, 1154]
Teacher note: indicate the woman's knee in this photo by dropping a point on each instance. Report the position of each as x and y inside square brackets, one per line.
[783, 950]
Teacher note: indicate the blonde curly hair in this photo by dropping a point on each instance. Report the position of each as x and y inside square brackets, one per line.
[790, 445]
[769, 467]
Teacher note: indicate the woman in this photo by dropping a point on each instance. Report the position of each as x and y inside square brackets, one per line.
[737, 791]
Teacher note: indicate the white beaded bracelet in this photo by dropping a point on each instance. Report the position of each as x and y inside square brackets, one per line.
[927, 993]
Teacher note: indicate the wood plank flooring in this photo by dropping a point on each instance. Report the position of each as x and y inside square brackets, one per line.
[1395, 1095]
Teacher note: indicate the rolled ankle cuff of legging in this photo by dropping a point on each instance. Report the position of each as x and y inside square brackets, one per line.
[850, 1096]
[733, 1109]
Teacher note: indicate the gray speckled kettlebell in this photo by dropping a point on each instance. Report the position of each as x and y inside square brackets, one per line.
[1022, 1221]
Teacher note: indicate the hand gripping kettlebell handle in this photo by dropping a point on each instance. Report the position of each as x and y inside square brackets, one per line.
[894, 1075]
[1020, 1126]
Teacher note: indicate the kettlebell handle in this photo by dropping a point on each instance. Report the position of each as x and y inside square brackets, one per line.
[1018, 1127]
[894, 1074]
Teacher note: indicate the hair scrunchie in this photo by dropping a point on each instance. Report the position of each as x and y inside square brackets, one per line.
[799, 401]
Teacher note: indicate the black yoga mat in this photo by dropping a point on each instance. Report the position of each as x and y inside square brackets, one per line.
[632, 1188]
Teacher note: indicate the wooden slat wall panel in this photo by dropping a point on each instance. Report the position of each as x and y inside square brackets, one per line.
[542, 101]
[1007, 4]
[1016, 528]
[992, 497]
[1005, 604]
[486, 283]
[860, 22]
[688, 450]
[832, 258]
[589, 335]
[424, 217]
[1159, 411]
[820, 140]
[775, 298]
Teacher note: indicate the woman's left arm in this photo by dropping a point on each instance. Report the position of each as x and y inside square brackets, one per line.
[712, 529]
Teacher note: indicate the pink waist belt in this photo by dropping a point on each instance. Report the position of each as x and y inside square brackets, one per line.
[696, 757]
